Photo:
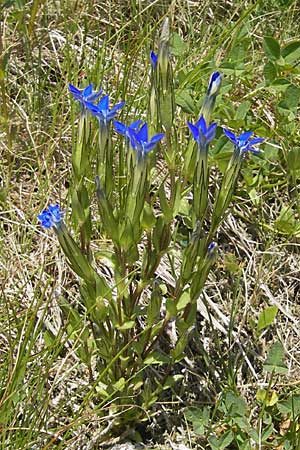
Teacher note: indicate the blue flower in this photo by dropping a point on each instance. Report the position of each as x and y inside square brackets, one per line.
[84, 95]
[140, 141]
[243, 142]
[124, 129]
[201, 133]
[154, 58]
[214, 83]
[51, 217]
[102, 111]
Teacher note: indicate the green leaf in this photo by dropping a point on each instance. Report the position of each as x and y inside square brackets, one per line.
[186, 101]
[171, 307]
[286, 220]
[183, 300]
[148, 218]
[157, 358]
[280, 84]
[270, 72]
[127, 325]
[291, 52]
[290, 406]
[242, 110]
[199, 418]
[266, 317]
[177, 45]
[271, 48]
[290, 98]
[293, 159]
[275, 359]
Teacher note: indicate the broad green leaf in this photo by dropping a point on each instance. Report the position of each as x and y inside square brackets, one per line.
[291, 52]
[242, 110]
[177, 44]
[275, 359]
[286, 220]
[199, 418]
[290, 406]
[183, 300]
[270, 72]
[280, 84]
[186, 101]
[266, 317]
[290, 98]
[171, 307]
[271, 48]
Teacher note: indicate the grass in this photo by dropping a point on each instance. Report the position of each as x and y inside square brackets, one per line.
[224, 398]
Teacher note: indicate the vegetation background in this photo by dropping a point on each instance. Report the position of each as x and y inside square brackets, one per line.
[230, 395]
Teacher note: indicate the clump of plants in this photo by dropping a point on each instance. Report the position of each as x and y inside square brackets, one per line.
[145, 183]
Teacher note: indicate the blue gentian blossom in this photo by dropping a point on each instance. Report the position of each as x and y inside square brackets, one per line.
[102, 111]
[139, 140]
[243, 143]
[154, 58]
[124, 129]
[84, 95]
[202, 133]
[214, 83]
[51, 217]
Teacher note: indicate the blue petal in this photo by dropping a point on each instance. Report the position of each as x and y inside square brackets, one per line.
[156, 138]
[153, 57]
[116, 108]
[103, 104]
[245, 136]
[230, 136]
[74, 90]
[136, 124]
[194, 130]
[201, 124]
[211, 132]
[120, 127]
[256, 141]
[93, 108]
[133, 138]
[142, 135]
[88, 90]
[153, 142]
[94, 96]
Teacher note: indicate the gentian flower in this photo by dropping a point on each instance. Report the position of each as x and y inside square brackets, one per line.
[124, 129]
[201, 133]
[102, 111]
[140, 142]
[154, 58]
[84, 95]
[214, 83]
[243, 143]
[51, 217]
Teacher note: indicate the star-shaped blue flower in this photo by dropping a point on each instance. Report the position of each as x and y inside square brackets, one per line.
[102, 111]
[124, 129]
[51, 217]
[139, 140]
[84, 95]
[201, 133]
[243, 141]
